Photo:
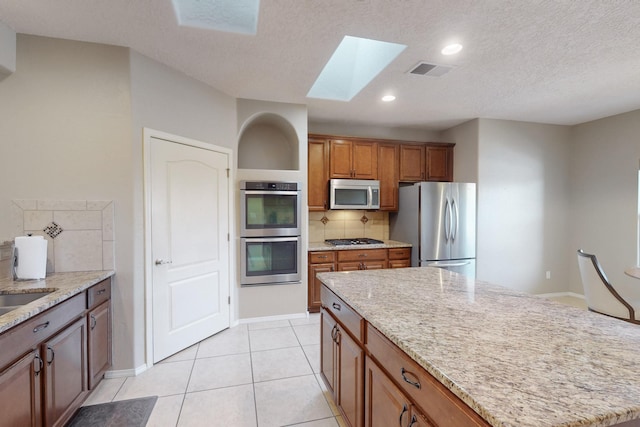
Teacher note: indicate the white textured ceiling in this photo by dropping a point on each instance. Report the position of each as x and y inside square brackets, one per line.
[550, 61]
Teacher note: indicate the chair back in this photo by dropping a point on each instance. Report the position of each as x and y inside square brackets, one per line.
[600, 294]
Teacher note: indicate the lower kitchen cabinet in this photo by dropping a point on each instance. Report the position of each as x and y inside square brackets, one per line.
[385, 405]
[65, 372]
[46, 362]
[21, 393]
[319, 262]
[342, 361]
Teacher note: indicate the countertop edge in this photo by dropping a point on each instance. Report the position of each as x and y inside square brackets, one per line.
[388, 244]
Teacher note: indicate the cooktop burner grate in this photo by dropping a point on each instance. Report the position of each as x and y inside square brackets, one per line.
[354, 241]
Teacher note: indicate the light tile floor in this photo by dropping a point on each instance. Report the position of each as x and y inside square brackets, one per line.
[256, 375]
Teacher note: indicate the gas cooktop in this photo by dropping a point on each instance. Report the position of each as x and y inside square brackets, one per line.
[354, 241]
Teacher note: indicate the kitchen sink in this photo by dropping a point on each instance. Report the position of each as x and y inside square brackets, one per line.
[10, 300]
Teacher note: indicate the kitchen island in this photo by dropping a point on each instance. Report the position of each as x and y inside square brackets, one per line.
[513, 358]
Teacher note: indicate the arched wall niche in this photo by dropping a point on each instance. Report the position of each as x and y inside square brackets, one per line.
[268, 141]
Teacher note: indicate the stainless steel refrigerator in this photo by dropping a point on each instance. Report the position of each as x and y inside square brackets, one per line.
[439, 220]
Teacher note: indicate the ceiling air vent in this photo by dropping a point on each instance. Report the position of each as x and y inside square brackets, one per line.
[432, 70]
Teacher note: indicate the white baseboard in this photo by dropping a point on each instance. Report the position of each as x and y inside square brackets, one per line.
[126, 372]
[274, 318]
[561, 294]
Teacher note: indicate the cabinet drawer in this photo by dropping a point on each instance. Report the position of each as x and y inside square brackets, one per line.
[322, 257]
[99, 293]
[399, 263]
[399, 253]
[362, 255]
[343, 313]
[27, 335]
[433, 398]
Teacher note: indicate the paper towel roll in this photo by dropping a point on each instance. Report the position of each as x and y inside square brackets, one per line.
[31, 253]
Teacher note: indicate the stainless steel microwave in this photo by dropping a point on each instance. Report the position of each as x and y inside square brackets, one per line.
[354, 194]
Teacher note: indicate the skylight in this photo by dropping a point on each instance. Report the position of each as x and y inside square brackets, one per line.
[235, 16]
[352, 66]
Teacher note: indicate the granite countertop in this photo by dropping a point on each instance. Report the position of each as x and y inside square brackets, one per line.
[323, 246]
[516, 359]
[61, 285]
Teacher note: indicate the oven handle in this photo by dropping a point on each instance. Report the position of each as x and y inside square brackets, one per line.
[271, 239]
[277, 193]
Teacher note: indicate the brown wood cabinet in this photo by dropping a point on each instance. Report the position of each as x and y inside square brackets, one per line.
[388, 161]
[426, 162]
[65, 372]
[44, 362]
[319, 262]
[385, 404]
[99, 321]
[20, 392]
[350, 260]
[355, 159]
[388, 176]
[342, 357]
[318, 174]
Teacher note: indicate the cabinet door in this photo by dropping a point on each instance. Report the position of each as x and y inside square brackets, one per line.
[399, 263]
[374, 265]
[341, 161]
[20, 392]
[350, 266]
[439, 164]
[315, 285]
[350, 388]
[412, 163]
[99, 342]
[65, 372]
[365, 160]
[388, 176]
[328, 351]
[385, 405]
[318, 174]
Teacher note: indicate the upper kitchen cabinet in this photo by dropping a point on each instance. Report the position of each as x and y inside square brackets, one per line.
[353, 159]
[426, 162]
[318, 174]
[388, 176]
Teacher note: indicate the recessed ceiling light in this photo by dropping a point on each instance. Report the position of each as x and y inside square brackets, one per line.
[352, 66]
[451, 49]
[388, 98]
[238, 16]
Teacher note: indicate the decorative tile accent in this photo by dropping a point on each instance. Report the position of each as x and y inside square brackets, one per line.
[88, 240]
[364, 219]
[53, 230]
[324, 219]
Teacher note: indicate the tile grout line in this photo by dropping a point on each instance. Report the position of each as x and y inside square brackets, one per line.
[186, 388]
[253, 383]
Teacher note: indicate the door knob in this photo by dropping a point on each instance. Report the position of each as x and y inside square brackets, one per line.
[160, 261]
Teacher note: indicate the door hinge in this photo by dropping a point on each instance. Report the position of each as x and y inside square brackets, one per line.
[229, 300]
[228, 171]
[228, 237]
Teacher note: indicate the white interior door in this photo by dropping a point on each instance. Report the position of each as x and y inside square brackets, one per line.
[189, 245]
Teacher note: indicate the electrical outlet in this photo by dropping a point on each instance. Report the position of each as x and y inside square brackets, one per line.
[548, 275]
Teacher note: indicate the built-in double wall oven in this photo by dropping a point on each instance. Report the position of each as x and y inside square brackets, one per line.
[270, 229]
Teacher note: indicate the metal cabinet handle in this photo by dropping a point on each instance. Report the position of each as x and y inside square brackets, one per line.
[41, 327]
[414, 420]
[94, 322]
[101, 291]
[362, 255]
[53, 355]
[323, 256]
[336, 306]
[416, 384]
[404, 410]
[160, 261]
[39, 364]
[334, 331]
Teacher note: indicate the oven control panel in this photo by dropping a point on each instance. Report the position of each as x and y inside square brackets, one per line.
[269, 186]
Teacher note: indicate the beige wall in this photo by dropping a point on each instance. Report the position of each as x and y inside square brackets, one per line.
[66, 135]
[368, 131]
[7, 50]
[465, 153]
[605, 156]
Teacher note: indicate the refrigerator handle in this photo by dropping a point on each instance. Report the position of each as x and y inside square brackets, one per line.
[454, 233]
[447, 220]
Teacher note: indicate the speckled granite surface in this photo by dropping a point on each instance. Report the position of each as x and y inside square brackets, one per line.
[61, 285]
[516, 359]
[322, 246]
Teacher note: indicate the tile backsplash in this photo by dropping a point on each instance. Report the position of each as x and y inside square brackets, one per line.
[342, 224]
[80, 233]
